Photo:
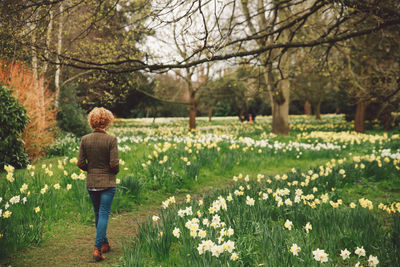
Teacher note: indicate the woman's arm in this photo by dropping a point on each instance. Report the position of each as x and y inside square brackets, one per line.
[114, 160]
[82, 158]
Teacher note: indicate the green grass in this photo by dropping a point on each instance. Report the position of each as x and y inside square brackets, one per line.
[68, 214]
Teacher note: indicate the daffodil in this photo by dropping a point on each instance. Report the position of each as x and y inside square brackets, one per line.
[320, 255]
[249, 201]
[176, 232]
[14, 200]
[360, 251]
[295, 249]
[23, 188]
[10, 177]
[345, 254]
[234, 256]
[155, 218]
[373, 261]
[7, 214]
[202, 234]
[288, 225]
[308, 227]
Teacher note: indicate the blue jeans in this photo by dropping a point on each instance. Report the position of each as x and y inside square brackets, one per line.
[102, 201]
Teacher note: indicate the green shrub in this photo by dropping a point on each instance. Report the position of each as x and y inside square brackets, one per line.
[13, 120]
[71, 117]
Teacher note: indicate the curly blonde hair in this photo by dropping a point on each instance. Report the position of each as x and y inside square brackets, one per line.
[100, 118]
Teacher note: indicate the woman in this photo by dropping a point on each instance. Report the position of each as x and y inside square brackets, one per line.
[98, 155]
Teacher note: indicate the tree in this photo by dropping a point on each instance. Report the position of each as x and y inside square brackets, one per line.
[371, 67]
[372, 71]
[263, 32]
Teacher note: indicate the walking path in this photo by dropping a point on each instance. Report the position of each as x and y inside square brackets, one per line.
[72, 243]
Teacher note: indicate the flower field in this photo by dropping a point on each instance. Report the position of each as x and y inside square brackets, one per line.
[293, 219]
[321, 196]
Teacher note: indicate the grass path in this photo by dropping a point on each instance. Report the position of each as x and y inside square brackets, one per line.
[71, 244]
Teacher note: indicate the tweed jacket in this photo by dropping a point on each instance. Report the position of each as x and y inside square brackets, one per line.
[98, 155]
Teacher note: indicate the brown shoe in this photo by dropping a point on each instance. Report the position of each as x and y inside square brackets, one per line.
[97, 255]
[105, 248]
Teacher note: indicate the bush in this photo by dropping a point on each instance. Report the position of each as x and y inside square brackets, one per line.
[13, 120]
[71, 117]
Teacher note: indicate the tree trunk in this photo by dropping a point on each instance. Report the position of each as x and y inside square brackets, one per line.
[42, 83]
[192, 111]
[360, 117]
[35, 66]
[59, 46]
[210, 112]
[317, 110]
[35, 71]
[307, 108]
[387, 119]
[279, 97]
[48, 42]
[38, 88]
[280, 108]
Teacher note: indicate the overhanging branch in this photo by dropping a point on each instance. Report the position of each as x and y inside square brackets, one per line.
[137, 65]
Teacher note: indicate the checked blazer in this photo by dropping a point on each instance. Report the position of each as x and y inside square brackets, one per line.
[98, 155]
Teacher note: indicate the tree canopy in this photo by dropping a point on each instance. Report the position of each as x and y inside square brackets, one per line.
[222, 30]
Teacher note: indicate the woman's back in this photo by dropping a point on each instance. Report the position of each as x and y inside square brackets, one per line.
[98, 155]
[97, 146]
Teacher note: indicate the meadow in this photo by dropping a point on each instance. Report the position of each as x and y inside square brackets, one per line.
[321, 196]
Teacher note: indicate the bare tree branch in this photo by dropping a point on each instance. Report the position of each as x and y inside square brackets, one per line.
[131, 65]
